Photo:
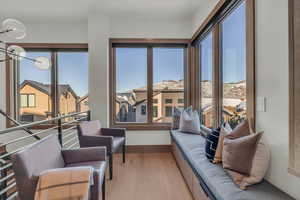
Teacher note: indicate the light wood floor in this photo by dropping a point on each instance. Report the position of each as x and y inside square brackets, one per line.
[148, 176]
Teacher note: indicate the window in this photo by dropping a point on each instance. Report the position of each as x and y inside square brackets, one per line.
[72, 94]
[143, 110]
[206, 81]
[131, 92]
[168, 101]
[180, 101]
[36, 99]
[145, 77]
[37, 106]
[168, 78]
[233, 53]
[169, 111]
[155, 111]
[225, 62]
[27, 100]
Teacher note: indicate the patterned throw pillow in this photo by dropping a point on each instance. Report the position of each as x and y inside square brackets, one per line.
[189, 121]
[224, 130]
[176, 118]
[212, 143]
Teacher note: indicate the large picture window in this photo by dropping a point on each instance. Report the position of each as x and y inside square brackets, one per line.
[225, 61]
[233, 53]
[206, 81]
[43, 94]
[148, 81]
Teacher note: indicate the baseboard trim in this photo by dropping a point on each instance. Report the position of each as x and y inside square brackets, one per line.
[148, 148]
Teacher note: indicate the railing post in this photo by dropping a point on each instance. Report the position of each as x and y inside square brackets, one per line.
[59, 129]
[3, 174]
[89, 115]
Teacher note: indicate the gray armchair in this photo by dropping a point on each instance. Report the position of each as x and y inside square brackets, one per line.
[47, 154]
[90, 134]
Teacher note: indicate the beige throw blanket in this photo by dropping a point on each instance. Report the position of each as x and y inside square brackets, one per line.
[64, 184]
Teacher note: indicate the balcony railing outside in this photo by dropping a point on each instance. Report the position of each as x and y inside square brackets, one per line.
[65, 131]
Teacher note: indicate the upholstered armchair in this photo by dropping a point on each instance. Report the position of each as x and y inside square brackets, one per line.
[90, 134]
[47, 154]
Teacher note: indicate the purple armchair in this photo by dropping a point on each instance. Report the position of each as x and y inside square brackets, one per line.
[90, 134]
[47, 154]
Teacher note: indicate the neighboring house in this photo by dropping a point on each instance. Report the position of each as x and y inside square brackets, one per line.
[36, 102]
[125, 111]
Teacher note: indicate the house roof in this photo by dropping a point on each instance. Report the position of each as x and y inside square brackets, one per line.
[83, 97]
[46, 88]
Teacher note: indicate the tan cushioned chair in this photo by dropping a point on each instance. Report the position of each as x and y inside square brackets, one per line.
[47, 154]
[90, 134]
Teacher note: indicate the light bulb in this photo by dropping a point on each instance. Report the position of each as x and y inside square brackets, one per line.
[16, 52]
[14, 28]
[42, 63]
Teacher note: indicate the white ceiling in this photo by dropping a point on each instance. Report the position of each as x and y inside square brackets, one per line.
[82, 8]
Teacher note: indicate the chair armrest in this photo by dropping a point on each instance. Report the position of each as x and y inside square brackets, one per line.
[96, 141]
[116, 132]
[84, 155]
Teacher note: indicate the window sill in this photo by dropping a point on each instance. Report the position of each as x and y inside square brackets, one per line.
[137, 127]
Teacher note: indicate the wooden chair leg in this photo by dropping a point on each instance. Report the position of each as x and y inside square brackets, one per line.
[111, 166]
[124, 152]
[103, 189]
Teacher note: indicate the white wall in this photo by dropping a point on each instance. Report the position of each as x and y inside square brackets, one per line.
[272, 83]
[202, 12]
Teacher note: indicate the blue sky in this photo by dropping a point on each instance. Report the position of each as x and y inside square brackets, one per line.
[233, 51]
[131, 66]
[72, 70]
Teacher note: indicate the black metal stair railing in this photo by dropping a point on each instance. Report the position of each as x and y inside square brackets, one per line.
[65, 129]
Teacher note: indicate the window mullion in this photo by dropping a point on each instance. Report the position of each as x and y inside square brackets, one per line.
[217, 83]
[54, 81]
[150, 84]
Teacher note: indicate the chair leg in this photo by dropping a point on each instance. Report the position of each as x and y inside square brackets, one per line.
[124, 152]
[103, 189]
[111, 166]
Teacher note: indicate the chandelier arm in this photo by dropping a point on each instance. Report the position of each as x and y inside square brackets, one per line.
[6, 31]
[10, 53]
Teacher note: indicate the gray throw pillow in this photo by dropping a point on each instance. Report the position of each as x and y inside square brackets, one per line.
[189, 121]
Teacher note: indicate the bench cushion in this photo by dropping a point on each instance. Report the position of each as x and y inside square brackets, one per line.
[217, 181]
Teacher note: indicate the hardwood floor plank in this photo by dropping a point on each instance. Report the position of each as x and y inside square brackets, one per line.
[147, 176]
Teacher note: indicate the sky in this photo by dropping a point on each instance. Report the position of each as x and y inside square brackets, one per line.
[72, 70]
[233, 51]
[131, 65]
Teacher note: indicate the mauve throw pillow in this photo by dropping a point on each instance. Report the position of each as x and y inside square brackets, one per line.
[176, 118]
[238, 153]
[211, 144]
[243, 129]
[260, 165]
[189, 121]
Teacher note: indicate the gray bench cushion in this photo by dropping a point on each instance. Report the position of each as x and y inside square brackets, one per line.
[215, 177]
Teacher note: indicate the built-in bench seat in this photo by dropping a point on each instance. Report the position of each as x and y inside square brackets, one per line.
[189, 150]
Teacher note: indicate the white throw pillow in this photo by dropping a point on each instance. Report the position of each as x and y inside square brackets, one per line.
[189, 121]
